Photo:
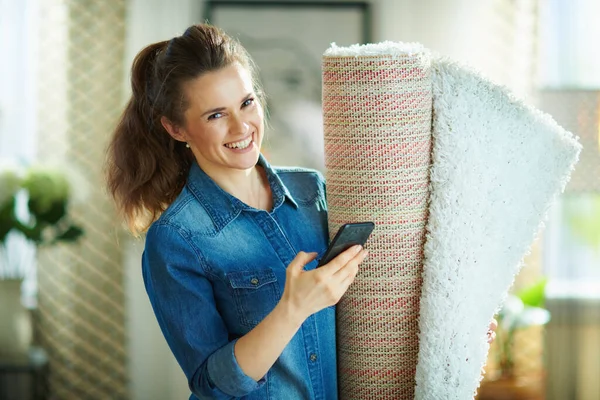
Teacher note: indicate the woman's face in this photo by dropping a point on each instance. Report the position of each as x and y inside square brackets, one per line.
[224, 121]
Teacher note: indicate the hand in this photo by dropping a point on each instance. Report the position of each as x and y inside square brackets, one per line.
[492, 331]
[307, 292]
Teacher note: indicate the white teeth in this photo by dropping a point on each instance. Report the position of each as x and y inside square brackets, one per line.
[240, 145]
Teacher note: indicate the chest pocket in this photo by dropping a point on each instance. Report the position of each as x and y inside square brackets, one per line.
[256, 293]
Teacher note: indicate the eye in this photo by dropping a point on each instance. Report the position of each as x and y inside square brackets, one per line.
[248, 102]
[215, 116]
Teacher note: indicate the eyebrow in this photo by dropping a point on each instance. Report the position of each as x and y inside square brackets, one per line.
[219, 109]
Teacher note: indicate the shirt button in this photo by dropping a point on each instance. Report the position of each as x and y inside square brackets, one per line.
[313, 357]
[254, 281]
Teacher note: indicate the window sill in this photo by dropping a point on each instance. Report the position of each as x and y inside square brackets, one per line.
[573, 290]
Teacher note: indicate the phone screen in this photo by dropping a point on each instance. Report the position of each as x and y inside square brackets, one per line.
[347, 236]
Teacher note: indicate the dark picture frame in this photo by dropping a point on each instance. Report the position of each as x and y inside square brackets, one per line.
[364, 7]
[286, 39]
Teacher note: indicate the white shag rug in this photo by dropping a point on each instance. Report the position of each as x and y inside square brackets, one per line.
[498, 166]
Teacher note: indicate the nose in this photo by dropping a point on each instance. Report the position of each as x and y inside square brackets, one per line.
[237, 125]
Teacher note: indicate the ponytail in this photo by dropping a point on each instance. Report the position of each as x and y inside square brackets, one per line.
[146, 167]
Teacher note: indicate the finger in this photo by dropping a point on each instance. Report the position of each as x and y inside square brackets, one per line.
[301, 259]
[349, 278]
[493, 324]
[352, 265]
[342, 259]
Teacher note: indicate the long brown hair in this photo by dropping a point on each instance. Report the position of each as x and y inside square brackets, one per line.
[146, 168]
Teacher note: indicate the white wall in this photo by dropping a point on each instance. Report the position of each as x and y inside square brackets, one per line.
[495, 37]
[454, 28]
[153, 371]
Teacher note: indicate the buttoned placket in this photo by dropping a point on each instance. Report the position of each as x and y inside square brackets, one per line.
[311, 345]
[287, 253]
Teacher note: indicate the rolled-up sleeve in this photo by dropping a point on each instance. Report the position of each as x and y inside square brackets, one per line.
[182, 298]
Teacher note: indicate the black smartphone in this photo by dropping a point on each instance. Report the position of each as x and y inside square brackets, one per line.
[347, 236]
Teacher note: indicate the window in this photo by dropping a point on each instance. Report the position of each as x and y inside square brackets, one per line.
[570, 92]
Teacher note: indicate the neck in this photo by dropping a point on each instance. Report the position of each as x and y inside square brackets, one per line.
[249, 185]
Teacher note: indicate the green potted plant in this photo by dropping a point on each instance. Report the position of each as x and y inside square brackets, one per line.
[33, 206]
[48, 194]
[520, 311]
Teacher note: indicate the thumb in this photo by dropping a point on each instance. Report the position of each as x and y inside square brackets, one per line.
[301, 259]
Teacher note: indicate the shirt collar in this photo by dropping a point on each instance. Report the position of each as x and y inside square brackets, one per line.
[221, 206]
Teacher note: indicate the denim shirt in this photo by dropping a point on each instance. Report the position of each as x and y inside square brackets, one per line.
[214, 267]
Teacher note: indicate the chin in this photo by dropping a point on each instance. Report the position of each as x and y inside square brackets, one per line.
[246, 161]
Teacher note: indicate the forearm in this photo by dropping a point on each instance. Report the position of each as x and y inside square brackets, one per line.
[257, 351]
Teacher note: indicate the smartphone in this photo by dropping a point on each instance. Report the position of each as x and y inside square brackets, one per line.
[347, 236]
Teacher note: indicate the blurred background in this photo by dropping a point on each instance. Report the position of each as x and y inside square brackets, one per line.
[75, 321]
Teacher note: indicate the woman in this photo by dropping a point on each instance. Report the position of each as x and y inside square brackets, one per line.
[230, 256]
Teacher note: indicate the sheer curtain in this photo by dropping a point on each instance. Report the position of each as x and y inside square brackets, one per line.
[18, 43]
[18, 46]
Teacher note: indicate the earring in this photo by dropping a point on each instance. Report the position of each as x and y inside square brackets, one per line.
[187, 145]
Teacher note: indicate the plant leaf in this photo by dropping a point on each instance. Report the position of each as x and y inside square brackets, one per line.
[534, 295]
[70, 235]
[49, 213]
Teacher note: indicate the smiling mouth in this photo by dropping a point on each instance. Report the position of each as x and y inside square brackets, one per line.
[241, 145]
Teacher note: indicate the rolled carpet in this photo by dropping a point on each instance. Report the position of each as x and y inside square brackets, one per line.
[444, 253]
[377, 127]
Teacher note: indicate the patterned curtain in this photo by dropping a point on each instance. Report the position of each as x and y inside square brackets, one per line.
[511, 53]
[81, 318]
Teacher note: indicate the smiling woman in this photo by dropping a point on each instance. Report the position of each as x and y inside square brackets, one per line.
[229, 262]
[224, 129]
[223, 122]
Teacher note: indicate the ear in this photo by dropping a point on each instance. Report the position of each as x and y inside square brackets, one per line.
[174, 130]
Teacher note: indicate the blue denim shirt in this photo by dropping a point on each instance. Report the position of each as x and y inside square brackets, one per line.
[214, 267]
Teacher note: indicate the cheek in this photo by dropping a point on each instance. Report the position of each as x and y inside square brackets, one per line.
[259, 116]
[210, 133]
